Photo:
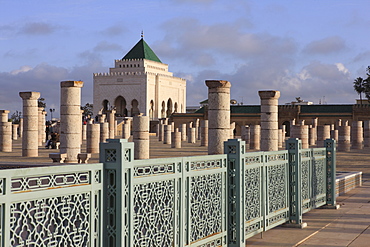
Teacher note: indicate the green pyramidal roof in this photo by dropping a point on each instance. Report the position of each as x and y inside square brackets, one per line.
[142, 51]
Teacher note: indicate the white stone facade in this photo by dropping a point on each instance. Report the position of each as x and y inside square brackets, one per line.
[136, 86]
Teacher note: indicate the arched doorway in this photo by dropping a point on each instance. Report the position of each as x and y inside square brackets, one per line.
[163, 110]
[120, 103]
[176, 110]
[106, 106]
[287, 128]
[151, 109]
[169, 108]
[134, 108]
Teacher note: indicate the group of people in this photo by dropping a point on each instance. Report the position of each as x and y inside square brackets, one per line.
[52, 138]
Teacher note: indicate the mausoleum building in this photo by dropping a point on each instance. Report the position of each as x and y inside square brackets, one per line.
[140, 83]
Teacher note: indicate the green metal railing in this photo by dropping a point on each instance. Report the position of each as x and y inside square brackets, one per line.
[211, 200]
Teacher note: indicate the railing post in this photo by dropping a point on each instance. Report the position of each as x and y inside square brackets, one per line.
[117, 156]
[331, 163]
[235, 148]
[294, 145]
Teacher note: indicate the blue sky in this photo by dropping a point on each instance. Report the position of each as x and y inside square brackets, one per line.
[308, 49]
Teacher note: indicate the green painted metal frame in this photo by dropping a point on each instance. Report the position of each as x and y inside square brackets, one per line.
[51, 190]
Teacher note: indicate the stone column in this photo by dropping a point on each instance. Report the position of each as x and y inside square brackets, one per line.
[5, 132]
[334, 135]
[167, 134]
[302, 133]
[41, 125]
[196, 126]
[20, 132]
[30, 124]
[92, 138]
[70, 119]
[111, 122]
[104, 131]
[218, 115]
[338, 123]
[315, 122]
[126, 129]
[283, 128]
[311, 136]
[255, 137]
[269, 120]
[344, 137]
[141, 136]
[323, 133]
[232, 127]
[191, 135]
[183, 132]
[246, 136]
[84, 134]
[204, 133]
[15, 131]
[176, 139]
[357, 135]
[280, 141]
[161, 130]
[367, 133]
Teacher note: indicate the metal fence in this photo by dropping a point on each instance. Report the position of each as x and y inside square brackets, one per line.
[51, 206]
[212, 200]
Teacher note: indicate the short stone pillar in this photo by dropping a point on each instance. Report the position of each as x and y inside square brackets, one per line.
[30, 124]
[140, 134]
[338, 123]
[183, 132]
[283, 129]
[70, 119]
[357, 135]
[367, 133]
[196, 126]
[204, 133]
[5, 132]
[111, 123]
[15, 131]
[92, 138]
[255, 131]
[101, 118]
[167, 134]
[176, 139]
[269, 120]
[323, 133]
[344, 137]
[104, 131]
[218, 115]
[302, 133]
[161, 130]
[334, 135]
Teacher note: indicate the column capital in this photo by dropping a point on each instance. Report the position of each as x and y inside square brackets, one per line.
[29, 95]
[218, 84]
[71, 84]
[4, 112]
[268, 94]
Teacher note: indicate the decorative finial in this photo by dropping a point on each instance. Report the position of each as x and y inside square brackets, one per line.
[142, 33]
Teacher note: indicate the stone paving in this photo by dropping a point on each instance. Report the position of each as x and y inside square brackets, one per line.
[347, 226]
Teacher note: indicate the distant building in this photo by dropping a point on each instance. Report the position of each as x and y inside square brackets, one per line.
[140, 83]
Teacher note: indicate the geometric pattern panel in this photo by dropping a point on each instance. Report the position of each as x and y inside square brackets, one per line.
[56, 221]
[318, 177]
[154, 213]
[110, 155]
[206, 206]
[154, 169]
[253, 193]
[110, 201]
[49, 181]
[1, 186]
[206, 164]
[276, 187]
[305, 169]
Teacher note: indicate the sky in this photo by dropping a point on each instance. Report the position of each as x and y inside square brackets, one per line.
[309, 49]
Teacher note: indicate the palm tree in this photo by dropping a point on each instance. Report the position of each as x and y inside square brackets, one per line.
[359, 86]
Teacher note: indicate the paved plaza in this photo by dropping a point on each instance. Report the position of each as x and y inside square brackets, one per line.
[347, 226]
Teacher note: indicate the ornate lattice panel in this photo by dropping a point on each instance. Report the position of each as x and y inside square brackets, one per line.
[49, 181]
[276, 185]
[205, 164]
[2, 186]
[110, 155]
[213, 243]
[306, 185]
[154, 169]
[206, 206]
[154, 208]
[56, 221]
[319, 182]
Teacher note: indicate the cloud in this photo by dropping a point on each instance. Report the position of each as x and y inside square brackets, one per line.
[114, 30]
[105, 46]
[37, 28]
[326, 46]
[363, 56]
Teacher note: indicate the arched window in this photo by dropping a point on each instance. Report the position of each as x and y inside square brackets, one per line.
[287, 128]
[106, 105]
[163, 110]
[151, 110]
[175, 110]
